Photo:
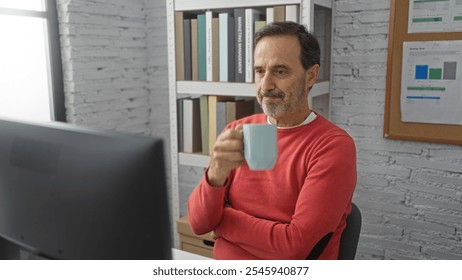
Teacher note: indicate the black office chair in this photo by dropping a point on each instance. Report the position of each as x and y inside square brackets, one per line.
[348, 241]
[350, 236]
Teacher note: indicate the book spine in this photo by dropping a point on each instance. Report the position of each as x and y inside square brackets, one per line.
[180, 127]
[259, 24]
[187, 126]
[230, 111]
[226, 35]
[197, 137]
[179, 46]
[208, 45]
[215, 50]
[187, 50]
[279, 13]
[201, 46]
[251, 15]
[212, 122]
[204, 108]
[194, 51]
[239, 29]
[223, 17]
[221, 116]
[191, 126]
[292, 13]
[269, 15]
[231, 51]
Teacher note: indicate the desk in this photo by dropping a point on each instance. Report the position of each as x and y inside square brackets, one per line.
[183, 255]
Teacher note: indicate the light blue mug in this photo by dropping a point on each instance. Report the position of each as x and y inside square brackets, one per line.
[260, 146]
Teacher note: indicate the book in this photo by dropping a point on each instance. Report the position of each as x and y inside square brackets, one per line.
[213, 100]
[201, 47]
[179, 114]
[194, 51]
[239, 45]
[259, 24]
[211, 46]
[269, 15]
[179, 46]
[187, 49]
[204, 108]
[279, 13]
[239, 108]
[251, 15]
[226, 46]
[215, 50]
[221, 116]
[191, 125]
[292, 13]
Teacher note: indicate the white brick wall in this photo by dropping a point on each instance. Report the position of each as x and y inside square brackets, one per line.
[115, 67]
[409, 192]
[105, 63]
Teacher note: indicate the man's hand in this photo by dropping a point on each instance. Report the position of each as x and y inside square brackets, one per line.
[227, 154]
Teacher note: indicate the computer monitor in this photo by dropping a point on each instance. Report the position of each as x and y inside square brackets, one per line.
[69, 192]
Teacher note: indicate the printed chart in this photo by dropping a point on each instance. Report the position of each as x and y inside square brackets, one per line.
[435, 16]
[431, 82]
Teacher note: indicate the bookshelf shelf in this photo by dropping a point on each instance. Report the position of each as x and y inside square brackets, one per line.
[235, 89]
[188, 5]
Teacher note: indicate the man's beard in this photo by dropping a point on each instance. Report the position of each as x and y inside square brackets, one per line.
[277, 109]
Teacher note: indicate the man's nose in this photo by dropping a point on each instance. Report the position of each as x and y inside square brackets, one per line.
[267, 83]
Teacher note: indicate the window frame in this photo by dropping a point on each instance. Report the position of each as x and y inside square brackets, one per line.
[57, 100]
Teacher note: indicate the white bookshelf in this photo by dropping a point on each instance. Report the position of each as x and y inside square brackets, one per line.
[178, 88]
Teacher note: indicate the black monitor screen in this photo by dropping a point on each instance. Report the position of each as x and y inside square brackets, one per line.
[68, 192]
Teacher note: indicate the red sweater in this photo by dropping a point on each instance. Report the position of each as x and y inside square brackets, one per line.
[282, 213]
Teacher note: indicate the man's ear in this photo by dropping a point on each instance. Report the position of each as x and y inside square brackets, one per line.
[312, 75]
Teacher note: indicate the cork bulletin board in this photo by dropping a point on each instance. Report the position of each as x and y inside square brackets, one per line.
[399, 37]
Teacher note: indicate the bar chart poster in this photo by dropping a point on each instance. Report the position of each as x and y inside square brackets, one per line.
[435, 16]
[431, 82]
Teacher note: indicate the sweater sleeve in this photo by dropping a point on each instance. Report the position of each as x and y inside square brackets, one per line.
[322, 202]
[205, 206]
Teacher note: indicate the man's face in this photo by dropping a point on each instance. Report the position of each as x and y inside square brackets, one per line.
[282, 82]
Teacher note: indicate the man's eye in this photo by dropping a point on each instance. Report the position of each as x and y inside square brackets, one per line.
[281, 72]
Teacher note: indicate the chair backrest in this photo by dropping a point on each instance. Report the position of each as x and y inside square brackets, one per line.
[350, 236]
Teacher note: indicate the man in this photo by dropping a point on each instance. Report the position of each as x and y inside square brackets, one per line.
[305, 199]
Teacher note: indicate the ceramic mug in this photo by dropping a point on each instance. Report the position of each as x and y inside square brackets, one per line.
[260, 146]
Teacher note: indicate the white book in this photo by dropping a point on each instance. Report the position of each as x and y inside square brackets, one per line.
[292, 13]
[191, 126]
[209, 45]
[269, 15]
[251, 15]
[226, 34]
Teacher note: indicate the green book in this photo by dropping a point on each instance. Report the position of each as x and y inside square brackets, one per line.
[201, 44]
[204, 108]
[259, 24]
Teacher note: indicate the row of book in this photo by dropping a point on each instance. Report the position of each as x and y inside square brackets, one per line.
[214, 46]
[202, 119]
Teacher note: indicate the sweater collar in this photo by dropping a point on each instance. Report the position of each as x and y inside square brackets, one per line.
[311, 117]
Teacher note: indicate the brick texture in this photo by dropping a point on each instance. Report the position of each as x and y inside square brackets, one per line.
[409, 192]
